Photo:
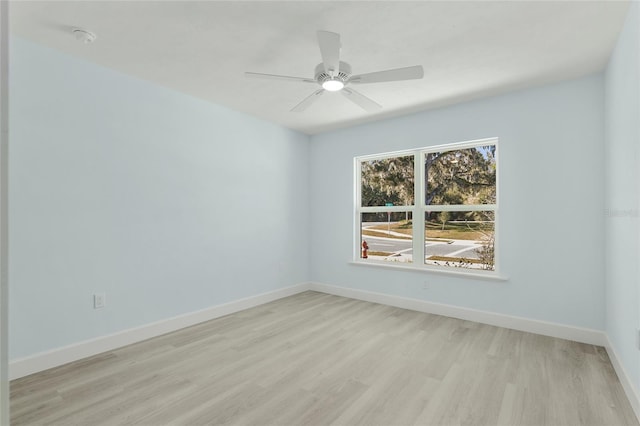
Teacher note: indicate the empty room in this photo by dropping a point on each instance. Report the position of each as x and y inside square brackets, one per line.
[320, 212]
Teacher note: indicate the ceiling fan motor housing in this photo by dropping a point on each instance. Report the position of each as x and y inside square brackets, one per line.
[343, 73]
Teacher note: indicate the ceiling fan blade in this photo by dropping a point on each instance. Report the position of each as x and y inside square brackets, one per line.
[278, 77]
[330, 50]
[308, 101]
[361, 100]
[398, 74]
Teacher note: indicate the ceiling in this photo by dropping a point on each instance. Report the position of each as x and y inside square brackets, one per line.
[469, 49]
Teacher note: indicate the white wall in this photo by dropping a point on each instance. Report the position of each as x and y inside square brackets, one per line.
[622, 83]
[4, 210]
[551, 197]
[167, 203]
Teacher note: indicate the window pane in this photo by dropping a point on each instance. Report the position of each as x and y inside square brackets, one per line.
[387, 182]
[388, 236]
[462, 176]
[460, 239]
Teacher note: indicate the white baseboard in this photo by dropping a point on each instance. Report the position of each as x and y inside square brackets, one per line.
[59, 356]
[628, 386]
[576, 334]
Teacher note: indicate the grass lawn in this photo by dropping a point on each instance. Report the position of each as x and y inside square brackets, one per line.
[379, 253]
[462, 231]
[402, 227]
[372, 233]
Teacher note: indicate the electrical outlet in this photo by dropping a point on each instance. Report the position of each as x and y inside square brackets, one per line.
[425, 285]
[99, 300]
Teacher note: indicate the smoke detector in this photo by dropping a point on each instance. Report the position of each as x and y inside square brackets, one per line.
[83, 35]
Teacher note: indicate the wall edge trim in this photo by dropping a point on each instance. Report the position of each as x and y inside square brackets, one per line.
[627, 384]
[545, 328]
[59, 356]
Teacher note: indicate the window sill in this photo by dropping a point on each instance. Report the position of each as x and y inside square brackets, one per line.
[489, 276]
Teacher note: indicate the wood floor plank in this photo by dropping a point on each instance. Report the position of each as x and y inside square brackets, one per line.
[318, 359]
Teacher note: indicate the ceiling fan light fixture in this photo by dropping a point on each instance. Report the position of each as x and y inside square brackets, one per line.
[332, 85]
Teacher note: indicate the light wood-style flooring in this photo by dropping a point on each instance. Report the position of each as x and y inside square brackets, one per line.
[317, 359]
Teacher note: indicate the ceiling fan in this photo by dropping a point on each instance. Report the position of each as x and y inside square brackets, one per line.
[333, 75]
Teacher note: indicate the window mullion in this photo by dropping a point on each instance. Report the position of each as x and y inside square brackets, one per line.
[418, 212]
[384, 209]
[357, 178]
[461, 207]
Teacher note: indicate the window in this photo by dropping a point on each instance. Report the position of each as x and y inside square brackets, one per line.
[433, 208]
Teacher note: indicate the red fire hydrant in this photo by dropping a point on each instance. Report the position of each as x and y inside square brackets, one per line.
[365, 248]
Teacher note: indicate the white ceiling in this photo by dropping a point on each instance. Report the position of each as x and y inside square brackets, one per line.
[468, 49]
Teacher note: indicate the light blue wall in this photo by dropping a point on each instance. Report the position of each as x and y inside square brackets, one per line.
[170, 204]
[622, 84]
[551, 193]
[167, 203]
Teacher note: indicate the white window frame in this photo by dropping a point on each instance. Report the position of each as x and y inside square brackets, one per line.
[419, 209]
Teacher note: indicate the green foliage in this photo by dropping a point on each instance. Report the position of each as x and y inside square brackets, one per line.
[444, 218]
[376, 196]
[486, 253]
[390, 180]
[463, 176]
